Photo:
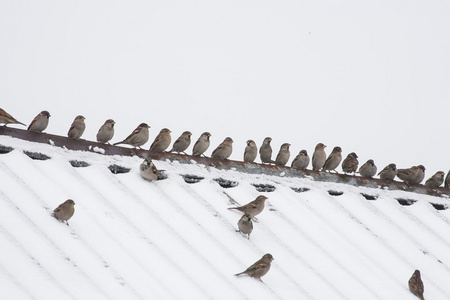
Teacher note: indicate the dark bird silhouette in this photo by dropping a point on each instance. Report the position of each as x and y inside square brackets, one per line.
[416, 285]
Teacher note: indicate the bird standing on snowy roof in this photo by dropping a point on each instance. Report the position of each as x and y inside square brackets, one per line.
[251, 151]
[350, 163]
[436, 180]
[415, 284]
[389, 172]
[283, 155]
[148, 170]
[301, 161]
[368, 169]
[259, 268]
[64, 211]
[40, 122]
[413, 175]
[252, 208]
[245, 224]
[333, 160]
[6, 118]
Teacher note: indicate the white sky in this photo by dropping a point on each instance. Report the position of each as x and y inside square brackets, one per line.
[370, 76]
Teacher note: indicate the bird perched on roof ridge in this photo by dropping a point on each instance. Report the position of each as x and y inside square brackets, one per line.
[413, 175]
[106, 132]
[436, 180]
[265, 151]
[245, 224]
[301, 161]
[319, 157]
[447, 180]
[250, 152]
[202, 144]
[223, 151]
[182, 143]
[350, 163]
[6, 118]
[138, 137]
[368, 169]
[252, 208]
[77, 128]
[389, 172]
[333, 160]
[162, 141]
[415, 285]
[64, 211]
[40, 122]
[148, 170]
[259, 268]
[283, 155]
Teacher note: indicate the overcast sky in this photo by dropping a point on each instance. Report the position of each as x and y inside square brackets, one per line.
[370, 76]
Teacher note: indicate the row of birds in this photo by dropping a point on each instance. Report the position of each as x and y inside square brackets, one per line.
[320, 161]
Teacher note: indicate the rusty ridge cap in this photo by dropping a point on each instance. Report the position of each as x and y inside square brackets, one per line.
[250, 168]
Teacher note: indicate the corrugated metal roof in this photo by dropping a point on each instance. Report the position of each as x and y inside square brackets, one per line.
[176, 239]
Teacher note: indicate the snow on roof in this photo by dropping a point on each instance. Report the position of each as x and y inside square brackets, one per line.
[176, 239]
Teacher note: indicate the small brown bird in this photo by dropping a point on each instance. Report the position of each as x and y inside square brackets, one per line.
[251, 151]
[413, 175]
[368, 170]
[138, 137]
[447, 180]
[6, 118]
[202, 144]
[148, 170]
[259, 268]
[436, 180]
[415, 284]
[77, 128]
[350, 163]
[301, 161]
[389, 172]
[333, 160]
[319, 157]
[106, 132]
[162, 141]
[265, 152]
[283, 155]
[252, 208]
[245, 224]
[64, 211]
[40, 122]
[182, 143]
[223, 151]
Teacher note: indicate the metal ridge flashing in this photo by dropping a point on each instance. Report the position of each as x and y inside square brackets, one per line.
[251, 168]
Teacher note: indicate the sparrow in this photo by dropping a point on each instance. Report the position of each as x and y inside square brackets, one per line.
[77, 128]
[415, 284]
[283, 155]
[251, 151]
[301, 161]
[106, 132]
[148, 170]
[447, 180]
[223, 151]
[436, 180]
[350, 163]
[64, 211]
[389, 172]
[138, 137]
[259, 268]
[252, 208]
[319, 157]
[413, 175]
[162, 141]
[40, 122]
[265, 152]
[6, 118]
[182, 143]
[333, 160]
[245, 224]
[368, 170]
[202, 144]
